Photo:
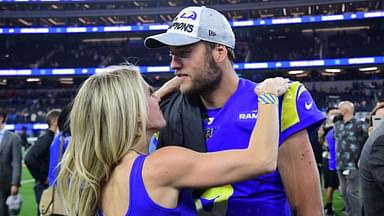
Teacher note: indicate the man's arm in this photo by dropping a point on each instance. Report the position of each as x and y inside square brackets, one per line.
[376, 160]
[32, 158]
[298, 171]
[16, 164]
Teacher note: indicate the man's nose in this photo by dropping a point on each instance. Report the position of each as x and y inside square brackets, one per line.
[176, 62]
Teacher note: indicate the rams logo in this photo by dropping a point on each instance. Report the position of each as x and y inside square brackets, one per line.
[188, 15]
[248, 115]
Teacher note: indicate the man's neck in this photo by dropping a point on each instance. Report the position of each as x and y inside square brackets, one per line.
[220, 96]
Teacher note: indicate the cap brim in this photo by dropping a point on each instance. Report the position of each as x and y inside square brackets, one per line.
[169, 39]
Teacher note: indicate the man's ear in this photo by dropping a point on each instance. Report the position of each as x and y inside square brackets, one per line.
[220, 53]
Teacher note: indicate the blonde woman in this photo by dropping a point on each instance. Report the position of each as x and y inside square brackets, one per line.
[106, 169]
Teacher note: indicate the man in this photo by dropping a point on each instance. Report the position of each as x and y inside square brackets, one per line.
[350, 135]
[217, 110]
[37, 158]
[372, 167]
[327, 139]
[375, 116]
[10, 164]
[59, 143]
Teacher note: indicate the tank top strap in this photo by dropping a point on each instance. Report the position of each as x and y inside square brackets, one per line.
[136, 184]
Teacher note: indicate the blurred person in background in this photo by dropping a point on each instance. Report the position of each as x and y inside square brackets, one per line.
[327, 139]
[61, 140]
[10, 164]
[37, 157]
[372, 165]
[24, 137]
[350, 135]
[106, 168]
[378, 111]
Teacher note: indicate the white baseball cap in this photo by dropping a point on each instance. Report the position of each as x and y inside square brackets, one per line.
[194, 24]
[14, 203]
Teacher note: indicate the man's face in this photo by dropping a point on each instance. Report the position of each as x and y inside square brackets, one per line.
[196, 68]
[343, 109]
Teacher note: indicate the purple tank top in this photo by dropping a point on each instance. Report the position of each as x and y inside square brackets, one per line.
[140, 204]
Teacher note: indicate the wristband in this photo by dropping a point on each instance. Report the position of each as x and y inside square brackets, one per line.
[268, 98]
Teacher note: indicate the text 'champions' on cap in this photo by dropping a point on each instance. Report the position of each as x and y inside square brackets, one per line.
[194, 24]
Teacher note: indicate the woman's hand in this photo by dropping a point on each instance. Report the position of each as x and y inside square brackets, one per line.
[277, 86]
[169, 87]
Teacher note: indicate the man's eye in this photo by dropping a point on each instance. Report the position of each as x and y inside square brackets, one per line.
[183, 54]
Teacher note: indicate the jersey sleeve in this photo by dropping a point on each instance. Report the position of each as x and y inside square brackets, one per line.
[298, 111]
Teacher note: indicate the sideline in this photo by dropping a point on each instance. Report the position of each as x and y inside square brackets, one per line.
[27, 181]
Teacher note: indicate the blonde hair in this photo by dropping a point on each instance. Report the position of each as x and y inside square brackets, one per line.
[108, 117]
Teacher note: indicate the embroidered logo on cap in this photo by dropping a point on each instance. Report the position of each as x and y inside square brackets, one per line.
[211, 33]
[189, 15]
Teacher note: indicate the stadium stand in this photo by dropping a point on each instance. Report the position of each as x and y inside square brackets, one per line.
[27, 100]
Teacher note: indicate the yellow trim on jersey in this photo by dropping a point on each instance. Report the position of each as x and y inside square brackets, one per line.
[219, 195]
[156, 135]
[302, 89]
[289, 114]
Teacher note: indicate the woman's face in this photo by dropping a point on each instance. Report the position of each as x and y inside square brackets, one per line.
[155, 116]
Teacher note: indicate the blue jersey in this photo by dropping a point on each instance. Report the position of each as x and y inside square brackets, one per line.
[330, 139]
[54, 152]
[230, 128]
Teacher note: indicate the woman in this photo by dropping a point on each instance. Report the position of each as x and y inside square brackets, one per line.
[113, 116]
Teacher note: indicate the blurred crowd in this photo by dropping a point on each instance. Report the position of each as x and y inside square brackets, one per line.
[58, 51]
[31, 106]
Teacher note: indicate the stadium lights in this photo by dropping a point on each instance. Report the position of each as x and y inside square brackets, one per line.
[33, 79]
[65, 80]
[323, 73]
[146, 26]
[353, 28]
[116, 39]
[332, 70]
[368, 69]
[136, 38]
[24, 22]
[295, 72]
[289, 65]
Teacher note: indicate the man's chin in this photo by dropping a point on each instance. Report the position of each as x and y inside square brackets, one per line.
[155, 129]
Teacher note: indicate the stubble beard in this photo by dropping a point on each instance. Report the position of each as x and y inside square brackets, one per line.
[207, 81]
